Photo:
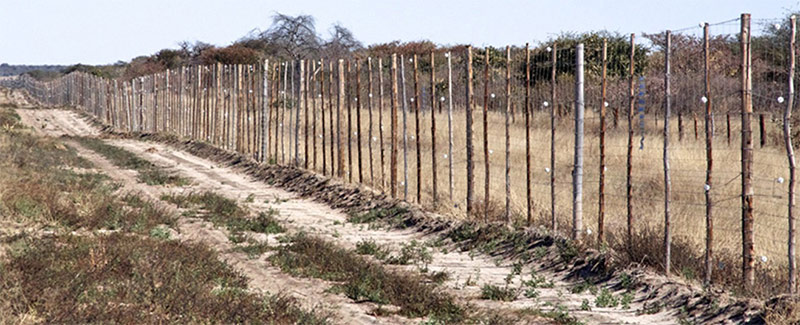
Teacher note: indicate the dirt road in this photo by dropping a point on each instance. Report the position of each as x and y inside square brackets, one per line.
[469, 271]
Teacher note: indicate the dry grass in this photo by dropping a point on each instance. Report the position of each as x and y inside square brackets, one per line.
[226, 212]
[43, 181]
[147, 172]
[365, 281]
[687, 160]
[130, 279]
[125, 277]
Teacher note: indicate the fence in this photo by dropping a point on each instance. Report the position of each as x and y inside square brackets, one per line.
[626, 177]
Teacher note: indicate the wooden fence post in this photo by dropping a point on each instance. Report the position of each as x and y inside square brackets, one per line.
[339, 106]
[405, 127]
[629, 157]
[217, 104]
[380, 123]
[667, 181]
[297, 108]
[601, 195]
[434, 166]
[553, 68]
[369, 129]
[349, 94]
[787, 138]
[294, 106]
[748, 261]
[709, 258]
[234, 117]
[450, 120]
[275, 107]
[470, 148]
[331, 124]
[358, 122]
[286, 125]
[306, 84]
[527, 112]
[486, 192]
[508, 135]
[322, 111]
[416, 107]
[154, 81]
[314, 99]
[265, 112]
[393, 155]
[577, 172]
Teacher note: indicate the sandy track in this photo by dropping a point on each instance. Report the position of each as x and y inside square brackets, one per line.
[319, 219]
[263, 277]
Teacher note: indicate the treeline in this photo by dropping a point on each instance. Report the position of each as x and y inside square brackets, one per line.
[296, 37]
[38, 71]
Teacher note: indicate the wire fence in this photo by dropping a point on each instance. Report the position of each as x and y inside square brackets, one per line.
[490, 133]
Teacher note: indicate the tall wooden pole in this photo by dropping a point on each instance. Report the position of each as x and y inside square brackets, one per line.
[380, 122]
[434, 165]
[629, 156]
[601, 195]
[285, 131]
[314, 100]
[508, 135]
[486, 81]
[298, 107]
[709, 256]
[787, 137]
[294, 101]
[527, 112]
[236, 110]
[306, 90]
[450, 121]
[405, 127]
[393, 155]
[349, 94]
[275, 108]
[331, 125]
[470, 147]
[553, 68]
[577, 171]
[265, 112]
[667, 182]
[154, 80]
[415, 100]
[322, 111]
[339, 107]
[217, 104]
[357, 133]
[748, 261]
[369, 129]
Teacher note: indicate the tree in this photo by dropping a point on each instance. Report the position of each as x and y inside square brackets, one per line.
[342, 42]
[291, 37]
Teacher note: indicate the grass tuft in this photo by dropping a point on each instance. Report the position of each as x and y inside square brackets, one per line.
[362, 280]
[493, 292]
[132, 279]
[148, 173]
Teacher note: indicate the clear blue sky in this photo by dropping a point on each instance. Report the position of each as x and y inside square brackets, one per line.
[104, 31]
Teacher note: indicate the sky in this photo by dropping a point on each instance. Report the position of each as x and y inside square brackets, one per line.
[106, 31]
